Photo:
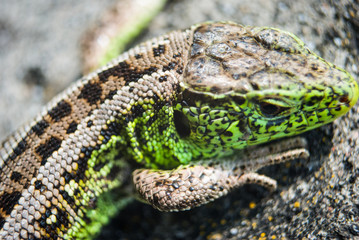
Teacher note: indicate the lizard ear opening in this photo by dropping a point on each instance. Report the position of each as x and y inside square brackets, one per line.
[181, 124]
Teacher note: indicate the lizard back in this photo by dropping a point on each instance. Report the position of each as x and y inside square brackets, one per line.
[49, 157]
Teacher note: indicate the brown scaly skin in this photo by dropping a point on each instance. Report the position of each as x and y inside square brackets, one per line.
[170, 103]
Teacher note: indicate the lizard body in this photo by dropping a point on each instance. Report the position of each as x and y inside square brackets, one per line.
[200, 94]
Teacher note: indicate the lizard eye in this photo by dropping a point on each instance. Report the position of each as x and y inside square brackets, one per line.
[271, 110]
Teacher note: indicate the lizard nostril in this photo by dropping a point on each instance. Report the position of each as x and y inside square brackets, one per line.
[344, 99]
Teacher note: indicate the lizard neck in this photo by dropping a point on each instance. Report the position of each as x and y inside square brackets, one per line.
[151, 131]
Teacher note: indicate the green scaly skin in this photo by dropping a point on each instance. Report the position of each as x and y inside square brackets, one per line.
[189, 96]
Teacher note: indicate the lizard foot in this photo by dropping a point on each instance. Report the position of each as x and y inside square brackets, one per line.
[195, 184]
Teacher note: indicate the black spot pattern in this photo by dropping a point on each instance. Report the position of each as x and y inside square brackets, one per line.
[82, 168]
[38, 184]
[61, 110]
[32, 237]
[46, 149]
[179, 70]
[2, 221]
[70, 200]
[18, 150]
[21, 147]
[128, 72]
[40, 127]
[137, 110]
[9, 200]
[62, 217]
[91, 92]
[16, 176]
[228, 133]
[159, 50]
[111, 94]
[89, 123]
[162, 79]
[72, 127]
[170, 66]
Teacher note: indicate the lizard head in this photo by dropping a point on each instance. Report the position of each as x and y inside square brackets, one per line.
[248, 85]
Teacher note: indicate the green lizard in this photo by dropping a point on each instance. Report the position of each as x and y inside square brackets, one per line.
[183, 112]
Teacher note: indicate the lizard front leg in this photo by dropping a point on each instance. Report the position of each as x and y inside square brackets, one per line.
[195, 184]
